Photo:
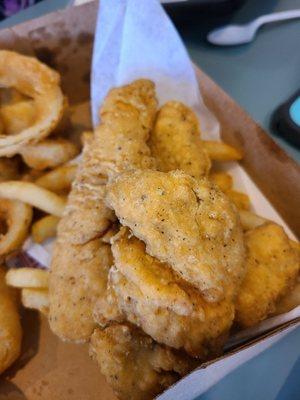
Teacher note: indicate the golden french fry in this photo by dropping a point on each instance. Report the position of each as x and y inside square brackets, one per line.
[27, 278]
[241, 200]
[36, 299]
[44, 228]
[48, 153]
[250, 220]
[34, 195]
[17, 116]
[59, 179]
[220, 151]
[18, 218]
[223, 180]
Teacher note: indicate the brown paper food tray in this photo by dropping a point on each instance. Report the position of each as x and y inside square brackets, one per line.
[49, 368]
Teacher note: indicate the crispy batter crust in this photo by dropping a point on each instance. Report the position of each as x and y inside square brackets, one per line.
[272, 268]
[175, 141]
[134, 365]
[189, 224]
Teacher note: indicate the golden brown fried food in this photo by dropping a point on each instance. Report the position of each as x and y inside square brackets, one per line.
[126, 119]
[175, 141]
[127, 116]
[219, 151]
[59, 179]
[290, 300]
[77, 280]
[48, 153]
[10, 327]
[18, 116]
[9, 169]
[272, 268]
[134, 365]
[189, 224]
[15, 220]
[168, 309]
[42, 84]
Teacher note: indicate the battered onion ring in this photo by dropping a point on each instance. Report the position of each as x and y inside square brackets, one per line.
[34, 79]
[18, 219]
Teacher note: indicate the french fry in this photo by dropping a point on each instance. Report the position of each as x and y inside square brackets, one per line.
[223, 180]
[36, 299]
[48, 153]
[250, 220]
[241, 200]
[17, 116]
[34, 195]
[59, 179]
[220, 151]
[44, 228]
[27, 278]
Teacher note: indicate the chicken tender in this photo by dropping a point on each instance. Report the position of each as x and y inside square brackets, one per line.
[175, 141]
[189, 224]
[134, 365]
[168, 309]
[10, 327]
[78, 280]
[290, 300]
[127, 117]
[272, 268]
[118, 143]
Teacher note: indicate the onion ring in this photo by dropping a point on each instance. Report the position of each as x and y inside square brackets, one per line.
[34, 79]
[18, 217]
[34, 195]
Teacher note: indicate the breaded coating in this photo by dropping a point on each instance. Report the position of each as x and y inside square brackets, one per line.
[86, 217]
[76, 271]
[134, 365]
[189, 224]
[272, 268]
[10, 327]
[77, 281]
[127, 116]
[175, 141]
[290, 300]
[168, 309]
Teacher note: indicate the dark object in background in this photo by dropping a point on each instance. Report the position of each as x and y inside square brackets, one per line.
[190, 10]
[11, 7]
[285, 120]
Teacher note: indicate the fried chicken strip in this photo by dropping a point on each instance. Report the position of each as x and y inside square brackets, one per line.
[135, 366]
[118, 143]
[175, 141]
[272, 268]
[168, 309]
[10, 327]
[189, 224]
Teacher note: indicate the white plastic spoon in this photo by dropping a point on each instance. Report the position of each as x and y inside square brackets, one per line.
[238, 34]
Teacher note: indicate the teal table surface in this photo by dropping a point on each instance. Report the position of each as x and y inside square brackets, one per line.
[259, 76]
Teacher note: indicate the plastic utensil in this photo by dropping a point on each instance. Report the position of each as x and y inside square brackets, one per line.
[239, 34]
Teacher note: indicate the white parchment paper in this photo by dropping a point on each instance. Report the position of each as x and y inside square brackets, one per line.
[136, 39]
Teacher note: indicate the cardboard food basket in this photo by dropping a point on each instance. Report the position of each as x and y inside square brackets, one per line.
[51, 369]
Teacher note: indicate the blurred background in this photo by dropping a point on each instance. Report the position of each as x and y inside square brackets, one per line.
[260, 76]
